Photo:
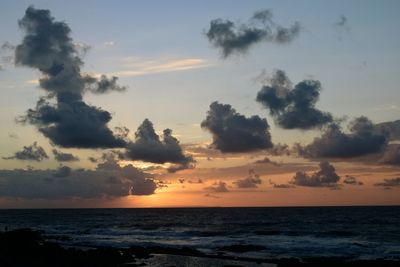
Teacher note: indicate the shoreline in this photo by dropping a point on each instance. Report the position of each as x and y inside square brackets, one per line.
[26, 247]
[213, 207]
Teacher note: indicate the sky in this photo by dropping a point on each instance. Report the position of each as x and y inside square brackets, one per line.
[211, 103]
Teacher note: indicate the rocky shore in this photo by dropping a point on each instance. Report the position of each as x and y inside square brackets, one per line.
[28, 248]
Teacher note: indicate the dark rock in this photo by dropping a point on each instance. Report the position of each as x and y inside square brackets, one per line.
[241, 248]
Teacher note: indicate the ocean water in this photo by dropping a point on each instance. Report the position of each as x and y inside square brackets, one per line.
[355, 232]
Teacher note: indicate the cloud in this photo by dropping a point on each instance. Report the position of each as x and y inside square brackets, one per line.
[351, 180]
[325, 177]
[139, 67]
[391, 155]
[279, 150]
[266, 160]
[70, 122]
[391, 129]
[32, 152]
[107, 180]
[342, 22]
[233, 132]
[109, 43]
[231, 38]
[389, 183]
[62, 171]
[105, 85]
[217, 187]
[7, 46]
[251, 181]
[6, 50]
[63, 157]
[211, 195]
[93, 159]
[361, 140]
[293, 107]
[342, 26]
[148, 147]
[73, 123]
[283, 186]
[198, 181]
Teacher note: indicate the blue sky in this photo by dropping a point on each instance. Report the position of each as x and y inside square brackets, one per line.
[358, 67]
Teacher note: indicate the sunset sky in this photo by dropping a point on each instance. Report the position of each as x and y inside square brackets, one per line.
[270, 103]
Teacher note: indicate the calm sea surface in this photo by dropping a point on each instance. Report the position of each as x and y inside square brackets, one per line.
[358, 232]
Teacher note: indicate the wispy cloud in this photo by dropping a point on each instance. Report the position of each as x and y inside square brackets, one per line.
[133, 67]
[139, 67]
[109, 43]
[386, 107]
[34, 81]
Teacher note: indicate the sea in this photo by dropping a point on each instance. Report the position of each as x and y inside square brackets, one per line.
[281, 232]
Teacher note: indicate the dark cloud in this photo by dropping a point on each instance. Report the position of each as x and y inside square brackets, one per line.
[32, 152]
[283, 186]
[69, 122]
[148, 147]
[233, 132]
[62, 171]
[251, 181]
[105, 85]
[342, 22]
[266, 160]
[293, 107]
[61, 156]
[73, 123]
[217, 187]
[389, 183]
[279, 150]
[108, 180]
[325, 177]
[351, 180]
[233, 38]
[93, 159]
[360, 140]
[391, 155]
[198, 181]
[391, 129]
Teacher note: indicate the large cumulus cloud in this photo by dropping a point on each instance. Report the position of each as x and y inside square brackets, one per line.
[233, 132]
[107, 180]
[148, 147]
[69, 122]
[325, 177]
[233, 38]
[360, 140]
[293, 107]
